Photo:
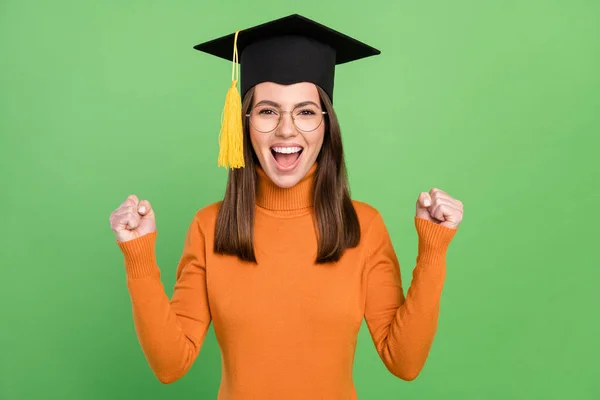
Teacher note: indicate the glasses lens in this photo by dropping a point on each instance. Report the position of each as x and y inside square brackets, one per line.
[307, 118]
[264, 118]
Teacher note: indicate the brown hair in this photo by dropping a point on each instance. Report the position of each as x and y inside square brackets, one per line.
[334, 215]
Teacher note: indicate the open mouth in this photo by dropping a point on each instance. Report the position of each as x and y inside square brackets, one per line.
[286, 157]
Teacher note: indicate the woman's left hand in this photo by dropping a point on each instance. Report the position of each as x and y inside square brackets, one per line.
[439, 207]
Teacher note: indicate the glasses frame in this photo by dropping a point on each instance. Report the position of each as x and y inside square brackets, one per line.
[281, 116]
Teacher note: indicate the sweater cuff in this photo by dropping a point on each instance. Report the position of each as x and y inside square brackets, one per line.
[434, 239]
[140, 256]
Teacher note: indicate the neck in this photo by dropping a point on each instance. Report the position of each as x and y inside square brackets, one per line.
[296, 198]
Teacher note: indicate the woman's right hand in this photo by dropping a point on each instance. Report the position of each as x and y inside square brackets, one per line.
[132, 219]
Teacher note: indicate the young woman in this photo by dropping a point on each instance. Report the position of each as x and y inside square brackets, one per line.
[287, 265]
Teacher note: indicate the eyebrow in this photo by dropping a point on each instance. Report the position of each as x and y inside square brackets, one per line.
[274, 104]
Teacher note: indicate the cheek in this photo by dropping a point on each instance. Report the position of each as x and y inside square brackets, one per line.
[317, 140]
[255, 139]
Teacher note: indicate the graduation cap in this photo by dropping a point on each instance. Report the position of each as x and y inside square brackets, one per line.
[287, 50]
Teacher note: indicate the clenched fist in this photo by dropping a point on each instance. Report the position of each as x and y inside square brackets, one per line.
[439, 207]
[132, 219]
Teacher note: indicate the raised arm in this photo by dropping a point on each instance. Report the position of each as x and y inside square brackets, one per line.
[170, 332]
[403, 328]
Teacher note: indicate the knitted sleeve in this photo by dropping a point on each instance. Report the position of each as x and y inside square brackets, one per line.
[403, 328]
[170, 332]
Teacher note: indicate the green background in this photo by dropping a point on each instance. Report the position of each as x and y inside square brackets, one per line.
[497, 103]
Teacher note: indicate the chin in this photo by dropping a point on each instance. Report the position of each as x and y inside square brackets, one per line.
[287, 181]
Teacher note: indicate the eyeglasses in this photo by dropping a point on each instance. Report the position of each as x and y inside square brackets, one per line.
[265, 118]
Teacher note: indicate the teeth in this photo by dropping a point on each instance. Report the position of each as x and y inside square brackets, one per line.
[287, 150]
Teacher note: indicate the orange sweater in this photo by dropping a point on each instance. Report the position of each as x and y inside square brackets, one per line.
[287, 328]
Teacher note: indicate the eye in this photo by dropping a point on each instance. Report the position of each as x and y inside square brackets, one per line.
[306, 112]
[267, 111]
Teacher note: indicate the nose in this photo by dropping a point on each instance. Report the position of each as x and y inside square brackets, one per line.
[286, 126]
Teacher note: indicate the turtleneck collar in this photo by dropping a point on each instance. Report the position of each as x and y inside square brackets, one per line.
[295, 198]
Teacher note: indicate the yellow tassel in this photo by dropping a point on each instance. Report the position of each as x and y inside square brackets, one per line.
[231, 138]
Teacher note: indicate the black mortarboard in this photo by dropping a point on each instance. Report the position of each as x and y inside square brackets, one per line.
[287, 50]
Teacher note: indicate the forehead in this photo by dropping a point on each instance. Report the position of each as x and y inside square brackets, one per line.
[286, 94]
